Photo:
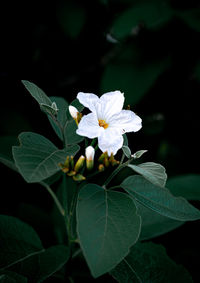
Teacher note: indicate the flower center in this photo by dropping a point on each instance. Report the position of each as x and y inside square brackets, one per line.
[102, 123]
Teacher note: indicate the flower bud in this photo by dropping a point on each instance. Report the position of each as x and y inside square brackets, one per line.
[65, 166]
[101, 168]
[89, 153]
[79, 164]
[79, 178]
[73, 112]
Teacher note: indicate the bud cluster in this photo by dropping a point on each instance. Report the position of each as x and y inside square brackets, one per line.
[76, 169]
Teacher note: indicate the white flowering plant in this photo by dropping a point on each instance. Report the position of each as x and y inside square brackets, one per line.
[106, 218]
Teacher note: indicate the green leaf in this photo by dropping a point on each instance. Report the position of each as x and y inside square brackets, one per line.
[154, 224]
[107, 226]
[77, 104]
[153, 172]
[22, 251]
[65, 193]
[37, 93]
[39, 267]
[126, 151]
[131, 78]
[125, 140]
[70, 133]
[61, 116]
[12, 277]
[187, 186]
[160, 199]
[148, 262]
[51, 110]
[151, 14]
[18, 241]
[139, 153]
[6, 143]
[37, 158]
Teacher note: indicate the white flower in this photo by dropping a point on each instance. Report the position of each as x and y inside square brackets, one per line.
[107, 121]
[73, 112]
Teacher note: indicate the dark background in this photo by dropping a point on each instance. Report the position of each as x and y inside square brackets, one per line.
[69, 46]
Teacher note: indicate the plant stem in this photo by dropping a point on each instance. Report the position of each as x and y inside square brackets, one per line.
[116, 171]
[53, 195]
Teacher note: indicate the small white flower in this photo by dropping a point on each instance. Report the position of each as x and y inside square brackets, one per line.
[73, 112]
[107, 121]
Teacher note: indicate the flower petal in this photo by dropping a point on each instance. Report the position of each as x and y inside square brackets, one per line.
[111, 103]
[109, 140]
[126, 121]
[89, 126]
[89, 100]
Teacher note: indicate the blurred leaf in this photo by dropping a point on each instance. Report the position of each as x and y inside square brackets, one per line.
[148, 262]
[154, 224]
[37, 158]
[12, 277]
[190, 17]
[126, 151]
[187, 186]
[159, 199]
[152, 14]
[61, 116]
[132, 79]
[70, 133]
[152, 171]
[18, 241]
[6, 158]
[107, 226]
[72, 17]
[37, 93]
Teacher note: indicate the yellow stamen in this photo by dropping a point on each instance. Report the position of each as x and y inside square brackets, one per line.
[102, 123]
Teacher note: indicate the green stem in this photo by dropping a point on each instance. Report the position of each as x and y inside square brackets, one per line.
[122, 159]
[53, 195]
[116, 171]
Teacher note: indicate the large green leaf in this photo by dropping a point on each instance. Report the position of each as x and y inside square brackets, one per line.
[107, 225]
[153, 172]
[148, 262]
[187, 186]
[160, 199]
[132, 78]
[152, 14]
[18, 241]
[61, 115]
[70, 133]
[37, 93]
[154, 224]
[37, 158]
